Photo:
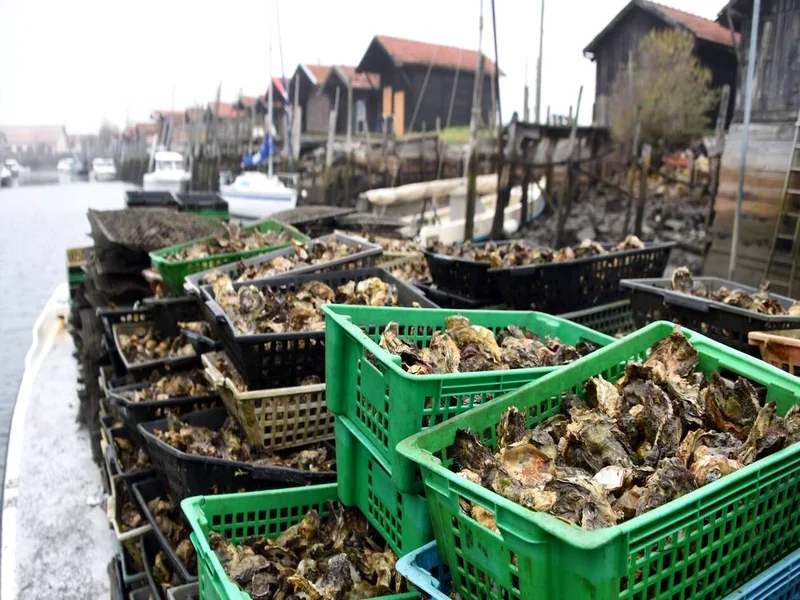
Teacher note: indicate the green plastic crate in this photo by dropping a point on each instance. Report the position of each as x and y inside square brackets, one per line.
[387, 404]
[238, 516]
[614, 318]
[173, 272]
[703, 545]
[402, 519]
[221, 215]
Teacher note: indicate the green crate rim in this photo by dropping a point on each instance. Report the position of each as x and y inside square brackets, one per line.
[174, 272]
[338, 313]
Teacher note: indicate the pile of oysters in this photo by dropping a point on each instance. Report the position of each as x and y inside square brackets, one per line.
[253, 310]
[183, 384]
[173, 525]
[145, 344]
[312, 253]
[337, 557]
[759, 302]
[519, 252]
[229, 443]
[466, 348]
[659, 432]
[232, 240]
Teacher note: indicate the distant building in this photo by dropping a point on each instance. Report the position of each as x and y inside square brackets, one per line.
[776, 102]
[305, 85]
[619, 40]
[365, 112]
[417, 81]
[38, 144]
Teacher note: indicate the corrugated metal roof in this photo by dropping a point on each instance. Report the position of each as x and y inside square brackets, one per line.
[409, 52]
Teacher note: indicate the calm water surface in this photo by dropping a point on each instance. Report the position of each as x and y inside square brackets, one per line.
[37, 225]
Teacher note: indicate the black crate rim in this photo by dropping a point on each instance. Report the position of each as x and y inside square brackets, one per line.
[356, 274]
[266, 472]
[448, 299]
[524, 269]
[118, 398]
[650, 286]
[140, 491]
[370, 251]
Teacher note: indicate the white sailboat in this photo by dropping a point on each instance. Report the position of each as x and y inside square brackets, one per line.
[253, 194]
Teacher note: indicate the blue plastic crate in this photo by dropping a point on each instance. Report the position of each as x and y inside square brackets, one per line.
[780, 582]
[425, 570]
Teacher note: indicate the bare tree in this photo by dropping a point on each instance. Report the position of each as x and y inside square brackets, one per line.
[668, 91]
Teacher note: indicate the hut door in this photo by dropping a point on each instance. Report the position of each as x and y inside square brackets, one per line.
[399, 112]
[387, 101]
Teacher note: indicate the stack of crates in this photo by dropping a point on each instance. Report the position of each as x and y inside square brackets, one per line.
[376, 404]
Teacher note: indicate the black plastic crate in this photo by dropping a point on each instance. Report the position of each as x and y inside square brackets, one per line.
[168, 312]
[117, 585]
[133, 413]
[272, 360]
[172, 363]
[128, 477]
[150, 199]
[201, 201]
[655, 300]
[114, 316]
[444, 299]
[366, 257]
[187, 475]
[147, 490]
[582, 283]
[614, 318]
[466, 278]
[149, 548]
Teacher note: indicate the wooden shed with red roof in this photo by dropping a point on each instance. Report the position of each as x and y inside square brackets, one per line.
[304, 87]
[417, 81]
[610, 49]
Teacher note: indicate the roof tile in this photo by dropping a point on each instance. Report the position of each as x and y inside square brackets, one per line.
[405, 51]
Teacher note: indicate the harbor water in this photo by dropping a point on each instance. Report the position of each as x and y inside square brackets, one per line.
[38, 224]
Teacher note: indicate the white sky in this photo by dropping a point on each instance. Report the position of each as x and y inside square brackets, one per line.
[79, 61]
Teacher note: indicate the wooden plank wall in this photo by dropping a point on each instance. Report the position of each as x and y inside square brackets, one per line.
[767, 162]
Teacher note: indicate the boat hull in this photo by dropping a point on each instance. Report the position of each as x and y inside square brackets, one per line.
[153, 184]
[257, 205]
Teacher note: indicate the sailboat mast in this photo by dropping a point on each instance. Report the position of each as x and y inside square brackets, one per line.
[269, 103]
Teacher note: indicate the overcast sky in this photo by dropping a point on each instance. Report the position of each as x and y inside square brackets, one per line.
[79, 61]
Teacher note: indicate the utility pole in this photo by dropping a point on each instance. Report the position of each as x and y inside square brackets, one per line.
[526, 113]
[539, 67]
[748, 107]
[472, 162]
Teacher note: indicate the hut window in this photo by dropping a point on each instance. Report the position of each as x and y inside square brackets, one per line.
[361, 116]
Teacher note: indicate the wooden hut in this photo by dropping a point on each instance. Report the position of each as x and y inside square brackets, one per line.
[364, 113]
[417, 80]
[776, 101]
[303, 93]
[619, 40]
